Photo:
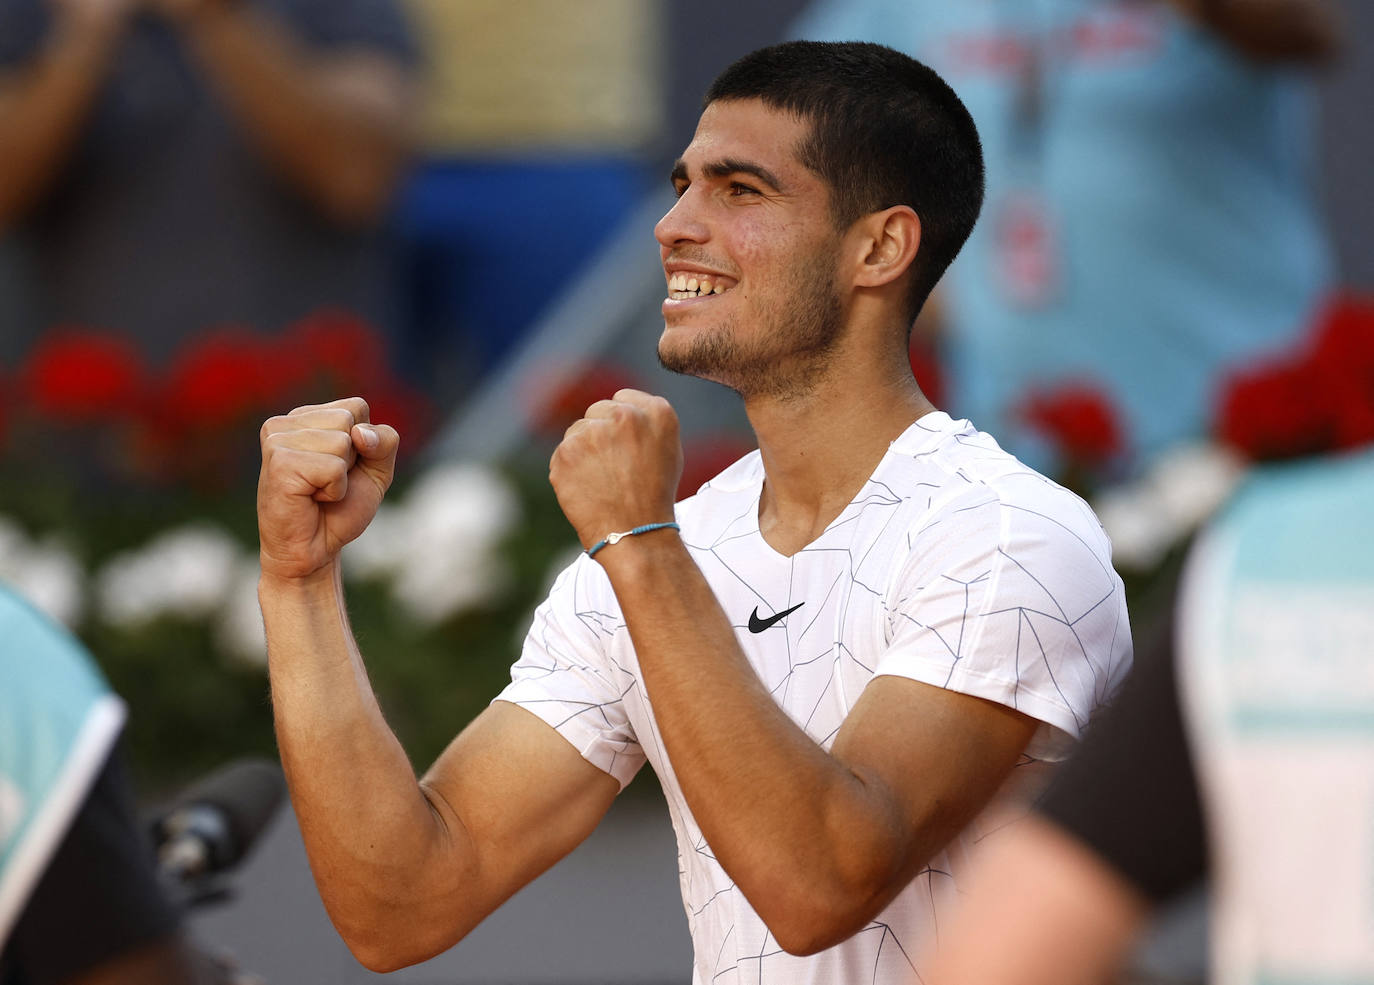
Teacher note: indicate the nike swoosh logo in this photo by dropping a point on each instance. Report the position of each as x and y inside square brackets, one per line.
[757, 625]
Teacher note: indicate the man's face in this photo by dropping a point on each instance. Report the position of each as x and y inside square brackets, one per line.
[749, 252]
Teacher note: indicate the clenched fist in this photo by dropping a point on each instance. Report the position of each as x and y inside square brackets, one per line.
[619, 466]
[325, 469]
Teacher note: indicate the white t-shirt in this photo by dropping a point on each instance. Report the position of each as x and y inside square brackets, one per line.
[955, 565]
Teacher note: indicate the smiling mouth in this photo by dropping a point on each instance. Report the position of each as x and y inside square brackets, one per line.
[683, 286]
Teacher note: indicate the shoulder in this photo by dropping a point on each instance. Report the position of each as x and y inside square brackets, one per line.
[722, 500]
[969, 480]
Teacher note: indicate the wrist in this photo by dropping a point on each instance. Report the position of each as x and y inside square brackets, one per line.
[635, 556]
[274, 584]
[615, 537]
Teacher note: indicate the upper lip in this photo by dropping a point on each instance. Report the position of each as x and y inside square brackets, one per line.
[679, 267]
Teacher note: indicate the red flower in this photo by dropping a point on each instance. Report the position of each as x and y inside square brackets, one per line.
[706, 456]
[1343, 360]
[1272, 411]
[226, 377]
[564, 395]
[1318, 399]
[1079, 420]
[75, 376]
[926, 367]
[339, 352]
[409, 412]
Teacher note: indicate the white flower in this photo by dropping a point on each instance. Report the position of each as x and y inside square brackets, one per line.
[380, 550]
[1139, 530]
[1178, 493]
[45, 573]
[185, 572]
[238, 631]
[560, 563]
[440, 543]
[1192, 481]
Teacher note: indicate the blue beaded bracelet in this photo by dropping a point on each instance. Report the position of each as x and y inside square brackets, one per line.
[617, 538]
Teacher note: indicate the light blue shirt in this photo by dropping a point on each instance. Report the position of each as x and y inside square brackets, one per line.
[1275, 621]
[58, 721]
[1174, 179]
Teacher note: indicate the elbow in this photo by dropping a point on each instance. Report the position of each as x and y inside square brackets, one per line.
[814, 907]
[388, 932]
[823, 913]
[384, 948]
[809, 930]
[379, 959]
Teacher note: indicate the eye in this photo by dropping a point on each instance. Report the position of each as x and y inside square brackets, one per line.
[679, 188]
[738, 188]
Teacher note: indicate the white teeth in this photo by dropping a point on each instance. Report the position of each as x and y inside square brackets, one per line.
[683, 286]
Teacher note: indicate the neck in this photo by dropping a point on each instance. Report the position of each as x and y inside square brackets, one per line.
[820, 447]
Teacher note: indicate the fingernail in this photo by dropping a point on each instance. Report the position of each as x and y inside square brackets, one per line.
[370, 438]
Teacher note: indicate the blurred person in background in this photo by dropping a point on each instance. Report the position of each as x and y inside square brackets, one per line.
[863, 643]
[1152, 224]
[80, 898]
[1242, 748]
[167, 166]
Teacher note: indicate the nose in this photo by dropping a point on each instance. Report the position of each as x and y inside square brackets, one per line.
[681, 224]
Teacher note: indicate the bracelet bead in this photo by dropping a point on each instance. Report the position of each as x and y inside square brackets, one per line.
[616, 538]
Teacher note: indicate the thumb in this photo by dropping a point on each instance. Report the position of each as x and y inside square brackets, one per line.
[376, 445]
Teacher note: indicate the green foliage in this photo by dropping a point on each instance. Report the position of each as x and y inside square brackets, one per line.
[193, 708]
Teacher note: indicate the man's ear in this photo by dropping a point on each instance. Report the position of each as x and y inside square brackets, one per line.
[887, 245]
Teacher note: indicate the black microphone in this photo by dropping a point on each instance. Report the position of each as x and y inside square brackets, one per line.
[216, 821]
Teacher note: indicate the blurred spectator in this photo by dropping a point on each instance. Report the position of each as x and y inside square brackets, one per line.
[538, 121]
[171, 165]
[79, 898]
[1274, 701]
[1151, 224]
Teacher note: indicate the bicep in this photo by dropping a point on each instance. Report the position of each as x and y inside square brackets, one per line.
[518, 794]
[936, 756]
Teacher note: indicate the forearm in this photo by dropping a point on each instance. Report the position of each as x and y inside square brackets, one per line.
[44, 106]
[338, 132]
[372, 834]
[1040, 909]
[816, 848]
[1302, 31]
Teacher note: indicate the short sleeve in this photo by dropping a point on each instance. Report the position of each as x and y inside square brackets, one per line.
[1131, 792]
[565, 677]
[1016, 604]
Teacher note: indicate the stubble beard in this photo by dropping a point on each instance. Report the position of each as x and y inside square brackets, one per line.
[785, 361]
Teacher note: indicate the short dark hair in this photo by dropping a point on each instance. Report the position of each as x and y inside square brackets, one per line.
[885, 130]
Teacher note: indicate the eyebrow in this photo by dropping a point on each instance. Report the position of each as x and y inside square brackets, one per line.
[726, 167]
